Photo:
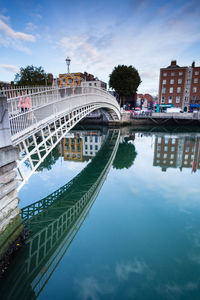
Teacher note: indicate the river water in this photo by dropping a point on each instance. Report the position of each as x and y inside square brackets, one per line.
[112, 214]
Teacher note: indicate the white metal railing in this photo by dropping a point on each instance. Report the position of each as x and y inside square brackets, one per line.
[16, 91]
[45, 105]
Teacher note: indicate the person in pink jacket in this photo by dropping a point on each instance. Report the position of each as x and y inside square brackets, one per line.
[24, 103]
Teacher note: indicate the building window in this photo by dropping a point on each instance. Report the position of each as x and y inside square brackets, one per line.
[158, 155]
[172, 73]
[179, 80]
[164, 74]
[159, 140]
[90, 84]
[172, 156]
[173, 141]
[170, 99]
[96, 139]
[164, 81]
[193, 98]
[171, 90]
[166, 148]
[163, 90]
[85, 147]
[91, 148]
[178, 99]
[165, 155]
[186, 99]
[163, 99]
[195, 80]
[90, 139]
[194, 89]
[196, 72]
[172, 149]
[85, 138]
[187, 149]
[180, 73]
[178, 89]
[171, 81]
[96, 147]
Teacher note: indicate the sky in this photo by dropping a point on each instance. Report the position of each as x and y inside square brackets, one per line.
[99, 35]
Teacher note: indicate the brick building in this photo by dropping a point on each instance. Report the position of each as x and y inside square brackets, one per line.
[180, 86]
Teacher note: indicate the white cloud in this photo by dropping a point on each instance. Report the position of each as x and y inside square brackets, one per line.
[9, 68]
[9, 32]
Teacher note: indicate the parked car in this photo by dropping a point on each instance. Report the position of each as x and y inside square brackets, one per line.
[137, 111]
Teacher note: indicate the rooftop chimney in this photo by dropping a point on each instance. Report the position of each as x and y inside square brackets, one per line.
[173, 63]
[193, 64]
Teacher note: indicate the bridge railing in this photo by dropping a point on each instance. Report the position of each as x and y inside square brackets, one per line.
[38, 99]
[46, 105]
[17, 91]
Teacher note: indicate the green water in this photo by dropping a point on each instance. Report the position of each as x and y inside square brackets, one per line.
[123, 224]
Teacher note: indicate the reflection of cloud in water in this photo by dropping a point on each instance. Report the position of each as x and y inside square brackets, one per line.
[92, 289]
[123, 270]
[173, 289]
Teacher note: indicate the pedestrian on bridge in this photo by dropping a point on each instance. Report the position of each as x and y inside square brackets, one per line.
[24, 103]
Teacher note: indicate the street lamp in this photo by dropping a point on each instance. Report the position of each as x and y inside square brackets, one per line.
[68, 60]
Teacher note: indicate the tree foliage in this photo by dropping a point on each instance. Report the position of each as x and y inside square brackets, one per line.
[125, 156]
[31, 76]
[124, 80]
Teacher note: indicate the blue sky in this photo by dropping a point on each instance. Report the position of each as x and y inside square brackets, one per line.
[99, 35]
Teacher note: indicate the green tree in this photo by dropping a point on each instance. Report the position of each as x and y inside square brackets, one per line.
[31, 76]
[124, 80]
[125, 156]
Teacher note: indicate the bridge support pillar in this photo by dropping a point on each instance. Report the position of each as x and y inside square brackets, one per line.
[10, 221]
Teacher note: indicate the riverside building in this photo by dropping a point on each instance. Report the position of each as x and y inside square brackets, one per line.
[179, 87]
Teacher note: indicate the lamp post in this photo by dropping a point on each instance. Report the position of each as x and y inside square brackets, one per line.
[68, 60]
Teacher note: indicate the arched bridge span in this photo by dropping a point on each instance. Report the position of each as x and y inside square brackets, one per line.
[53, 113]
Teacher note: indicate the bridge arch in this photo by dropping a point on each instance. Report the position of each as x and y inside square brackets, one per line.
[52, 115]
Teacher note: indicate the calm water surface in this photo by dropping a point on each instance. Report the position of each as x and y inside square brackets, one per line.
[119, 219]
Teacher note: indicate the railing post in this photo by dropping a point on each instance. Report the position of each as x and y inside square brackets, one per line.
[5, 134]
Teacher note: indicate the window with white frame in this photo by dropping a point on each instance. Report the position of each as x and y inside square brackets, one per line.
[171, 81]
[195, 80]
[178, 89]
[165, 155]
[164, 74]
[170, 99]
[178, 99]
[196, 73]
[180, 73]
[171, 90]
[172, 73]
[164, 81]
[194, 89]
[163, 99]
[179, 80]
[163, 90]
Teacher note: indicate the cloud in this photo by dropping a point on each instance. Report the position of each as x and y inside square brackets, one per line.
[123, 270]
[9, 32]
[30, 27]
[14, 39]
[9, 68]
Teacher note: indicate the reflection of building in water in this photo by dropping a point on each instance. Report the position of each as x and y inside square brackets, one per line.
[73, 148]
[82, 146]
[177, 152]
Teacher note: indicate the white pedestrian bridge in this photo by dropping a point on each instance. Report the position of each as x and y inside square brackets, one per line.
[53, 113]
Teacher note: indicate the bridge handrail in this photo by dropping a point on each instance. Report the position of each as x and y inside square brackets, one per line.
[45, 97]
[12, 92]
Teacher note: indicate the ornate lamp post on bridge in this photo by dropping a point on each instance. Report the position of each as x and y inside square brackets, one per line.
[68, 60]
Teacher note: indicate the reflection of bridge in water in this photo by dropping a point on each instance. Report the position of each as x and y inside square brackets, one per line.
[54, 222]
